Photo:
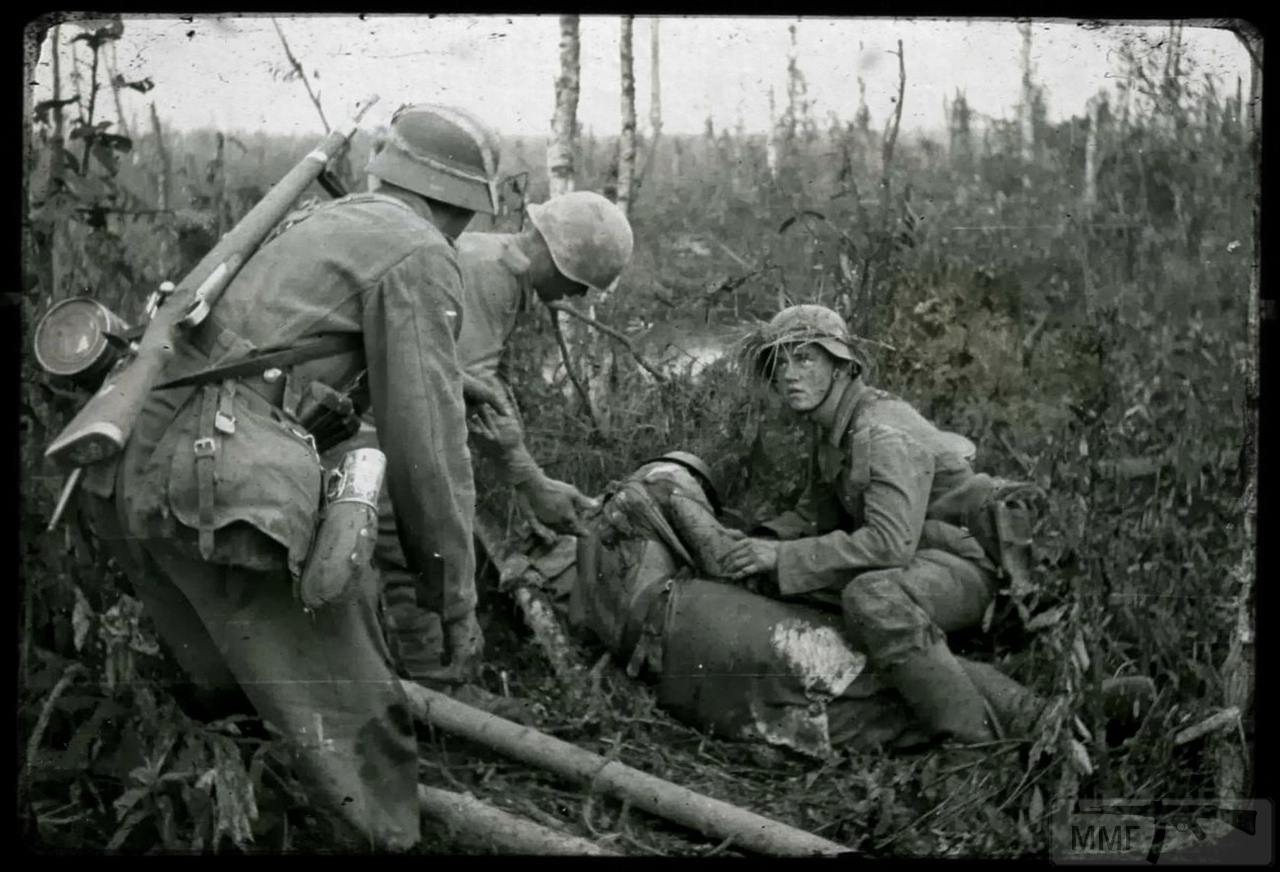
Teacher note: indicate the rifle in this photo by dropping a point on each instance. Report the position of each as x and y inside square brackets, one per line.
[101, 429]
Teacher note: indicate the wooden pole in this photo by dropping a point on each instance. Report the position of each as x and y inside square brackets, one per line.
[712, 817]
[480, 824]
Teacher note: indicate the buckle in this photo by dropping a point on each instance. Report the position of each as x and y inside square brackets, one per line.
[224, 423]
[205, 447]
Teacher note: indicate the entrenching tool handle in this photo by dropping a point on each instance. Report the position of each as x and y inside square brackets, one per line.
[103, 426]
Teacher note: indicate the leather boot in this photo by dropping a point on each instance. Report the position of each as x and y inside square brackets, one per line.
[1014, 706]
[942, 695]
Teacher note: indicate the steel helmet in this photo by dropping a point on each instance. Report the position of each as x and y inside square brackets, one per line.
[698, 467]
[589, 237]
[801, 325]
[442, 153]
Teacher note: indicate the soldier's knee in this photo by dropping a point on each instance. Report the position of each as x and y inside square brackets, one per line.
[867, 594]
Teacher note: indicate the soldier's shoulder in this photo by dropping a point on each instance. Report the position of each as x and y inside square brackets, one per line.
[390, 218]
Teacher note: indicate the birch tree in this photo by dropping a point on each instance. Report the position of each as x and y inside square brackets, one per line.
[627, 141]
[1026, 126]
[560, 150]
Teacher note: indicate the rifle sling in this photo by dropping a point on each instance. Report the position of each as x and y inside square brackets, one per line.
[256, 363]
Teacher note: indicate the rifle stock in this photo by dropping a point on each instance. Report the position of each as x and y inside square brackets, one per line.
[103, 426]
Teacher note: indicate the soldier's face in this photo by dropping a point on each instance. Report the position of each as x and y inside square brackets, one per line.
[803, 376]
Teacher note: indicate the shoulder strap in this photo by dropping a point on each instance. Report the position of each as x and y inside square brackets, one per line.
[258, 361]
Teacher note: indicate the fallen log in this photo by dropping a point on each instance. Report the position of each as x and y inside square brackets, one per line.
[477, 823]
[707, 815]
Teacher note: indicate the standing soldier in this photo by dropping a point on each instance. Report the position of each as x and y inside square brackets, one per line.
[883, 532]
[216, 497]
[576, 241]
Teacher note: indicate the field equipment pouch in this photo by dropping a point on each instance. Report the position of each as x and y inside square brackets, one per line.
[1001, 515]
[239, 470]
[341, 560]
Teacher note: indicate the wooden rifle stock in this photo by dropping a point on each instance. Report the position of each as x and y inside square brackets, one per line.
[102, 427]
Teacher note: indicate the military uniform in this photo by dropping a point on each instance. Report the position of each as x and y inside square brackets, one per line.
[495, 290]
[217, 493]
[867, 513]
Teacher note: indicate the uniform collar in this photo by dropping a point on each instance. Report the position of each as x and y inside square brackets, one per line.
[854, 392]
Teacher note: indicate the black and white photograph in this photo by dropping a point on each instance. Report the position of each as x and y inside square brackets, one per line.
[631, 435]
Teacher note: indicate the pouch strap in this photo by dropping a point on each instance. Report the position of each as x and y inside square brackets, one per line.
[205, 448]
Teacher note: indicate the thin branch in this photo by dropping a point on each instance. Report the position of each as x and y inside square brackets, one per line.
[573, 373]
[297, 68]
[612, 333]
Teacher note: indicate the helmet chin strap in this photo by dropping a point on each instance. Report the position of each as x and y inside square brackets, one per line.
[831, 383]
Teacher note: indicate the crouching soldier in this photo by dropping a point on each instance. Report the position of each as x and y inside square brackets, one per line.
[214, 507]
[741, 664]
[896, 531]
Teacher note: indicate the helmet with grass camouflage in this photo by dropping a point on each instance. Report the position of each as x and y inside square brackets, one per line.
[442, 153]
[589, 237]
[806, 324]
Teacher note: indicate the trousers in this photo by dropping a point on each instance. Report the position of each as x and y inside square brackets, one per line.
[323, 679]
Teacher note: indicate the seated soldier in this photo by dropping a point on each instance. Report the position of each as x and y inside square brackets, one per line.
[744, 665]
[896, 530]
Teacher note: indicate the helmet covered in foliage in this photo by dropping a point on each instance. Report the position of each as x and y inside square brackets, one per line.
[441, 153]
[806, 324]
[589, 237]
[698, 467]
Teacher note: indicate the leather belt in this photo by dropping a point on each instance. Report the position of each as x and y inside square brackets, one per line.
[213, 340]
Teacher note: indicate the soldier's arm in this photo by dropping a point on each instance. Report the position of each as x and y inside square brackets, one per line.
[415, 385]
[898, 474]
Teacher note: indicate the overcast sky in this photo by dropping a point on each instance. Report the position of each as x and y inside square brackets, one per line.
[226, 71]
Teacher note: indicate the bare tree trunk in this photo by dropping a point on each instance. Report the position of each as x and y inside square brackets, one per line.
[564, 122]
[51, 266]
[627, 141]
[220, 185]
[165, 177]
[1026, 127]
[655, 107]
[1233, 753]
[115, 91]
[1090, 197]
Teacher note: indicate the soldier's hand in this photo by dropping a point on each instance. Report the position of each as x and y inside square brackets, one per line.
[498, 432]
[478, 395]
[751, 557]
[555, 504]
[464, 641]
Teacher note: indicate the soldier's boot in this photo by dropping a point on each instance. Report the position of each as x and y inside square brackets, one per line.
[707, 538]
[1016, 707]
[941, 694]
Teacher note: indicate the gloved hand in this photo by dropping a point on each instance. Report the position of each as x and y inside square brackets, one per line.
[554, 503]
